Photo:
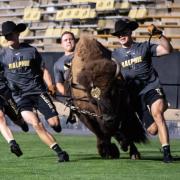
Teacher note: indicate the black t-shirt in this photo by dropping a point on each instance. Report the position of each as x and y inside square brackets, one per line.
[22, 69]
[61, 69]
[137, 66]
[3, 81]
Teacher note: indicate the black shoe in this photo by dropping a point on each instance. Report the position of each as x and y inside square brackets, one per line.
[167, 158]
[16, 150]
[63, 157]
[167, 154]
[25, 127]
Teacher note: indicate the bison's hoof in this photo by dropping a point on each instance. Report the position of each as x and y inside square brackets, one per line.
[114, 151]
[108, 151]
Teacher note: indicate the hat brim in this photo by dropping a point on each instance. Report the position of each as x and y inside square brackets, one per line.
[132, 25]
[19, 28]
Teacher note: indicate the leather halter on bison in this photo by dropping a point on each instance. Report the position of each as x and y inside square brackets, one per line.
[97, 89]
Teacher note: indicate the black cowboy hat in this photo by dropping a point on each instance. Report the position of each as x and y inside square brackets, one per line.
[123, 24]
[9, 27]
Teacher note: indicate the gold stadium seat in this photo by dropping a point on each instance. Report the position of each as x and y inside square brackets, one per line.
[57, 32]
[59, 15]
[76, 13]
[32, 14]
[141, 13]
[125, 5]
[3, 41]
[36, 14]
[85, 13]
[75, 31]
[100, 5]
[64, 14]
[53, 32]
[109, 5]
[132, 13]
[101, 23]
[26, 33]
[65, 29]
[68, 14]
[27, 13]
[105, 5]
[49, 32]
[73, 11]
[92, 13]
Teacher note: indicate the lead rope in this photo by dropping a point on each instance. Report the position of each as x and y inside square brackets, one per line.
[149, 42]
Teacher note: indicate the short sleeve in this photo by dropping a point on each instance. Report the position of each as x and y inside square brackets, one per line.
[39, 61]
[151, 47]
[115, 54]
[58, 73]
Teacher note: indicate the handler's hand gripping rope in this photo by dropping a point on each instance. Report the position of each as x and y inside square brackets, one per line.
[154, 31]
[52, 90]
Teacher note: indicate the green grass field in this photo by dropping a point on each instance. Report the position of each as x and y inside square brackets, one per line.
[39, 162]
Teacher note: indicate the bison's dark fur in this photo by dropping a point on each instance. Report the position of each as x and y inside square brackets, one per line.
[91, 68]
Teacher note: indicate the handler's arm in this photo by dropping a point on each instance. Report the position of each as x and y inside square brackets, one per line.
[58, 76]
[60, 88]
[47, 77]
[48, 80]
[40, 62]
[164, 46]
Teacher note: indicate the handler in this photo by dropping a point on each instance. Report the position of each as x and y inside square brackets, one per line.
[7, 133]
[142, 79]
[23, 71]
[62, 64]
[62, 68]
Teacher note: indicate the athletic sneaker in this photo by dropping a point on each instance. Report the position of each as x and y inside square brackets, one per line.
[16, 149]
[168, 158]
[63, 157]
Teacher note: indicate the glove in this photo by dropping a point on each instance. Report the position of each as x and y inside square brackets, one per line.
[52, 90]
[153, 30]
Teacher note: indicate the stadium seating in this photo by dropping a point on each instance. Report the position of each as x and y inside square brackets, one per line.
[3, 41]
[31, 14]
[47, 19]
